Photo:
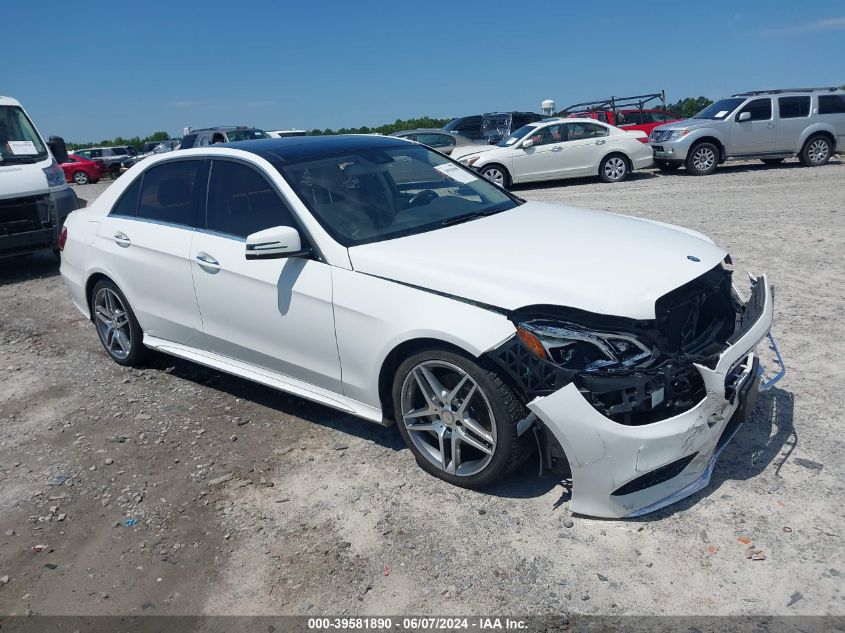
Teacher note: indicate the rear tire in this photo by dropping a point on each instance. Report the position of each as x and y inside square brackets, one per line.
[702, 159]
[463, 407]
[816, 151]
[614, 168]
[118, 329]
[667, 167]
[772, 161]
[81, 178]
[497, 174]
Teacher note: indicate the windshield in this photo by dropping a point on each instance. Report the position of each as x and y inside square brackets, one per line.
[515, 136]
[245, 135]
[379, 194]
[19, 142]
[719, 110]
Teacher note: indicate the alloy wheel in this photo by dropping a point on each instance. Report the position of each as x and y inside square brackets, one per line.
[495, 175]
[615, 168]
[448, 418]
[80, 178]
[818, 151]
[703, 158]
[113, 323]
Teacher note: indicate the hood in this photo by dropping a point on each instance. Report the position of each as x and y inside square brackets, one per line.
[689, 124]
[25, 179]
[466, 150]
[547, 254]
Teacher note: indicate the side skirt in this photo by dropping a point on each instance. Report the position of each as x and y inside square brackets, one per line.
[268, 378]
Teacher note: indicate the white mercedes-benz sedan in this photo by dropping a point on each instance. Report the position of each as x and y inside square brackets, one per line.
[559, 148]
[383, 279]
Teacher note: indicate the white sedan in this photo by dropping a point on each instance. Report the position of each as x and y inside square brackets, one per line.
[376, 276]
[560, 148]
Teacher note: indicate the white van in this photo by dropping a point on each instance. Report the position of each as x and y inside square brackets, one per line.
[34, 197]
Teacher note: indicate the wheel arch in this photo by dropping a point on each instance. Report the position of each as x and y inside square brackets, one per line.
[500, 165]
[617, 152]
[818, 130]
[399, 354]
[710, 139]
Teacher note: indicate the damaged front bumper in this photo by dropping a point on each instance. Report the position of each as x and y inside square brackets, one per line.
[626, 471]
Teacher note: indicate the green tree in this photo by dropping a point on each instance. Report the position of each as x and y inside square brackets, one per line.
[690, 106]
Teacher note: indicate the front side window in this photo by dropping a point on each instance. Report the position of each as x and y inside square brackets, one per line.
[760, 109]
[19, 142]
[549, 135]
[172, 192]
[831, 104]
[580, 131]
[436, 140]
[241, 201]
[357, 199]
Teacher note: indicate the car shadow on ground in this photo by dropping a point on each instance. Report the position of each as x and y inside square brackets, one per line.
[749, 167]
[279, 401]
[637, 176]
[769, 434]
[20, 268]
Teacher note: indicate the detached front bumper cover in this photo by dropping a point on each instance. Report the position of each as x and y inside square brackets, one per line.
[625, 471]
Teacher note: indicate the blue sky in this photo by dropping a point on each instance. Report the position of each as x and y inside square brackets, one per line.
[95, 70]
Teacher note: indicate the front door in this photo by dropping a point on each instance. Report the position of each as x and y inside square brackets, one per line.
[543, 160]
[758, 134]
[276, 313]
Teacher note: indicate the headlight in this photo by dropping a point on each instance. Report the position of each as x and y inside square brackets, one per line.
[470, 161]
[54, 174]
[674, 135]
[576, 348]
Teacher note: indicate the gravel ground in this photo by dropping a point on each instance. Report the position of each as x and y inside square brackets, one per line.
[177, 489]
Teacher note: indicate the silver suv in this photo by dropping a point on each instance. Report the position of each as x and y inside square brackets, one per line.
[770, 125]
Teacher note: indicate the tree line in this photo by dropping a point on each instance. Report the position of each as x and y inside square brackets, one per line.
[136, 141]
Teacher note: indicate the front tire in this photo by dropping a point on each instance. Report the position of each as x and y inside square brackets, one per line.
[614, 168]
[703, 159]
[816, 151]
[457, 418]
[117, 327]
[81, 178]
[497, 174]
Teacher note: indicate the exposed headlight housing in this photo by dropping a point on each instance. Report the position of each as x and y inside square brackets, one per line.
[576, 348]
[469, 161]
[54, 174]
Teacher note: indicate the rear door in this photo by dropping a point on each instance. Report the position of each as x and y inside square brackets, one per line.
[147, 240]
[585, 145]
[275, 314]
[758, 134]
[793, 118]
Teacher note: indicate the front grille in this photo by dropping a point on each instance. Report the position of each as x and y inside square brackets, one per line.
[18, 215]
[657, 476]
[660, 136]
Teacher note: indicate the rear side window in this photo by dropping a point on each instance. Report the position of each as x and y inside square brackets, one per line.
[831, 104]
[793, 107]
[172, 192]
[127, 205]
[436, 140]
[241, 201]
[760, 109]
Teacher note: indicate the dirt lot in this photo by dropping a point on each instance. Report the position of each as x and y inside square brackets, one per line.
[177, 489]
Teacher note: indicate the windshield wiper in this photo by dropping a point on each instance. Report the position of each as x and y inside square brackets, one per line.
[470, 216]
[12, 160]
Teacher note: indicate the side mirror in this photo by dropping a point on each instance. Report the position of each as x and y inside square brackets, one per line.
[744, 116]
[58, 148]
[527, 143]
[275, 243]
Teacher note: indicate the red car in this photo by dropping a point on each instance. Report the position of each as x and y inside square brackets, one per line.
[83, 170]
[631, 119]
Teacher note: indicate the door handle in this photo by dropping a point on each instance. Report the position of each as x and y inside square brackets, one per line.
[207, 262]
[770, 125]
[601, 141]
[121, 239]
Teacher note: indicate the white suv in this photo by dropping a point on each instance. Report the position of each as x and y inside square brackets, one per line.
[378, 277]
